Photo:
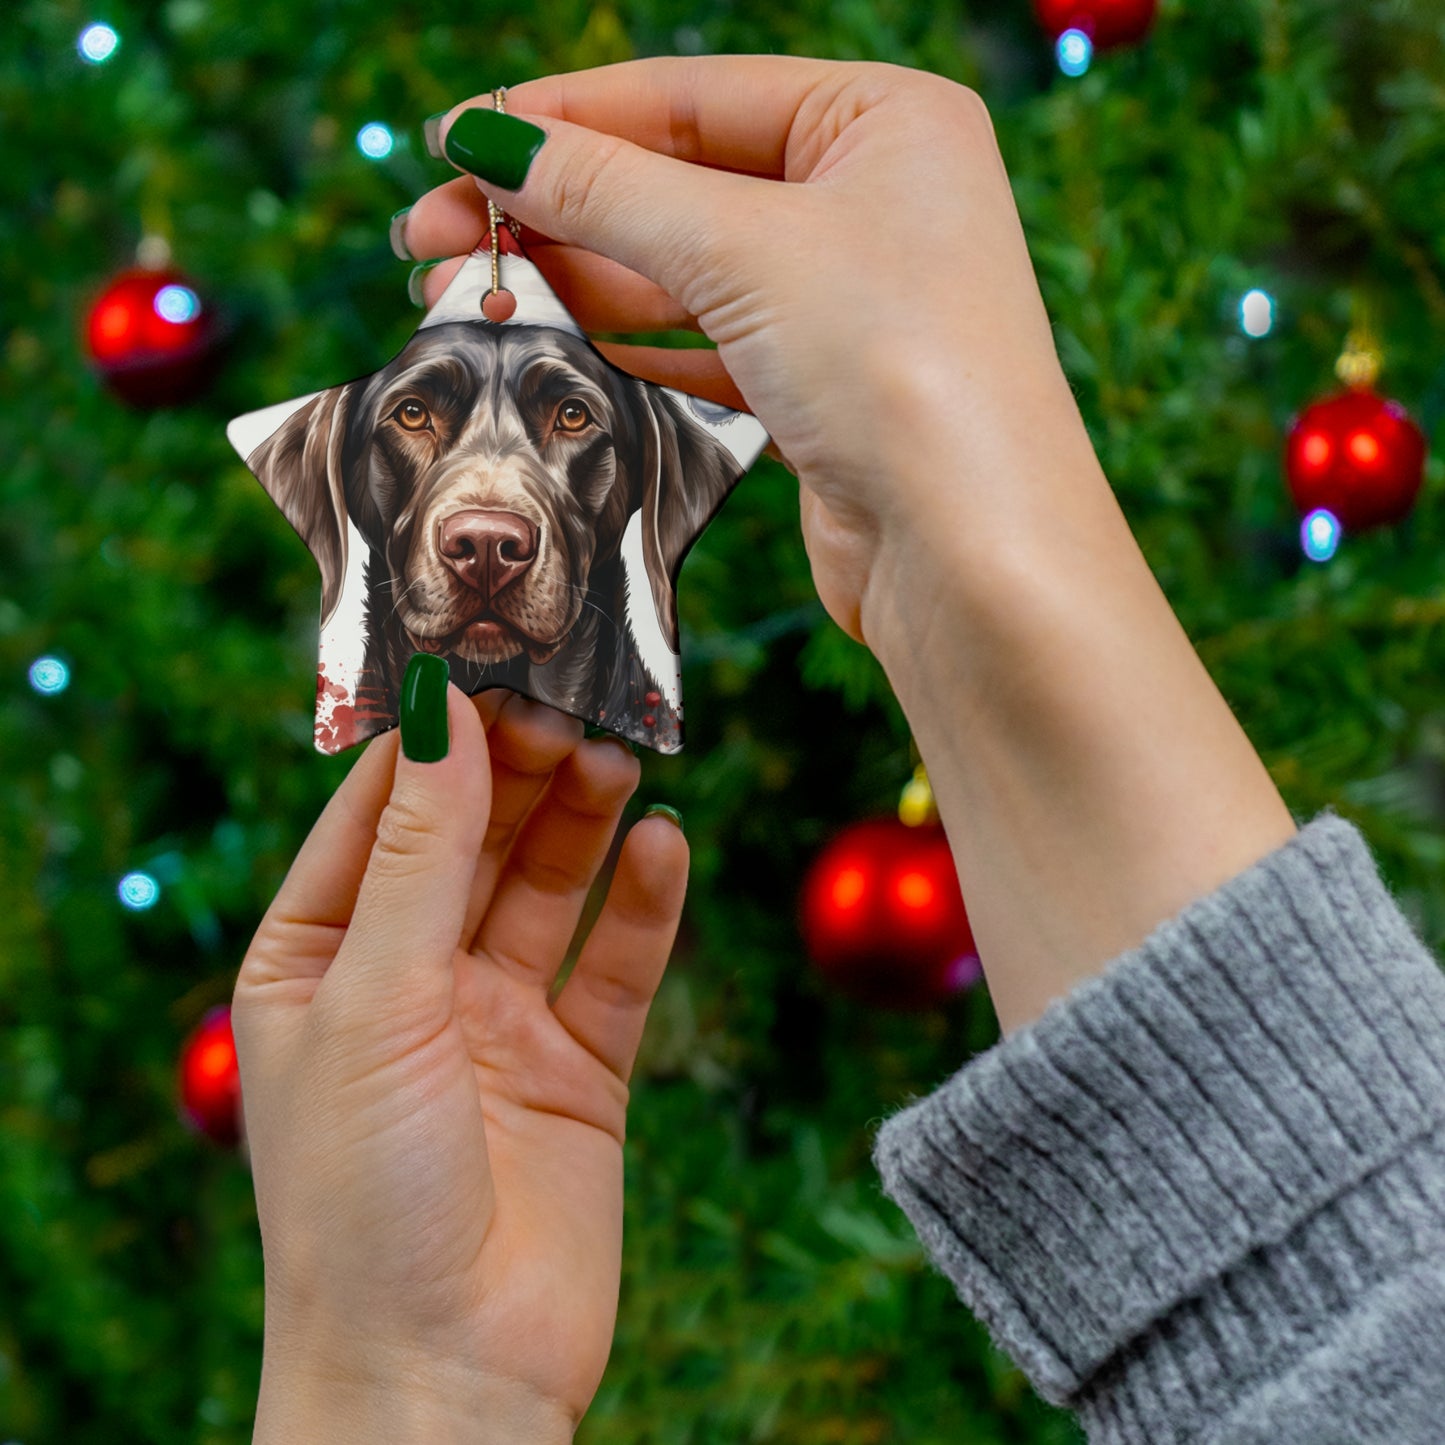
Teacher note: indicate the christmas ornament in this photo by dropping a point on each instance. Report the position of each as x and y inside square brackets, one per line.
[1106, 23]
[210, 1080]
[1356, 454]
[916, 804]
[501, 495]
[152, 338]
[883, 918]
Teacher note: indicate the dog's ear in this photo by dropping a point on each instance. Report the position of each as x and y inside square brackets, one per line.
[299, 464]
[686, 476]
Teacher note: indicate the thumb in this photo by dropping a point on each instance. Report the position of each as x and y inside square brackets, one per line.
[395, 963]
[673, 222]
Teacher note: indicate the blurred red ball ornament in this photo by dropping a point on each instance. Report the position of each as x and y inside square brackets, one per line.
[1357, 455]
[883, 918]
[210, 1081]
[152, 338]
[1107, 23]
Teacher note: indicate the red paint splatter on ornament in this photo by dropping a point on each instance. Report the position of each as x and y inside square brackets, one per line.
[336, 716]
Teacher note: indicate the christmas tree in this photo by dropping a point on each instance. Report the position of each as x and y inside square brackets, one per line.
[158, 643]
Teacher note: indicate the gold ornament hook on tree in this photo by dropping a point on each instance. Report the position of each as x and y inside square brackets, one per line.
[915, 804]
[1359, 363]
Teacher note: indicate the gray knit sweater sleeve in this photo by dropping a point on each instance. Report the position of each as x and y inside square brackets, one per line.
[1202, 1199]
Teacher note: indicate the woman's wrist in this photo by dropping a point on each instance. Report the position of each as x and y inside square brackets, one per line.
[408, 1400]
[1092, 779]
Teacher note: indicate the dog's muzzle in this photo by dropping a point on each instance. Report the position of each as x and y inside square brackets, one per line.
[488, 551]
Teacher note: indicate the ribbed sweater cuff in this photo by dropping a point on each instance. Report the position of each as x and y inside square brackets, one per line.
[1192, 1117]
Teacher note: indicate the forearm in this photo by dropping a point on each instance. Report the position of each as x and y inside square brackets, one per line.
[1092, 779]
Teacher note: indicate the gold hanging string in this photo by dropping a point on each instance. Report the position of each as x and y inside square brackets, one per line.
[495, 215]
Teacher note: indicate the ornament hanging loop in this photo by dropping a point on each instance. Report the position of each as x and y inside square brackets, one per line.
[498, 304]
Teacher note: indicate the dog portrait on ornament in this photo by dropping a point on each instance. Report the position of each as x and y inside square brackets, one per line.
[503, 496]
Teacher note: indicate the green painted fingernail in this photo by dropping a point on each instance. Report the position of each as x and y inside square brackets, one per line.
[398, 235]
[431, 133]
[671, 814]
[413, 283]
[498, 148]
[424, 735]
[591, 731]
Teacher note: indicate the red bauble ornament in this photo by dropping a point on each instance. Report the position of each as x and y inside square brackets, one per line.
[210, 1081]
[1107, 23]
[1359, 456]
[152, 338]
[883, 917]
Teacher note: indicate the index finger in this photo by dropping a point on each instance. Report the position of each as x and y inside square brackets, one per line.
[735, 112]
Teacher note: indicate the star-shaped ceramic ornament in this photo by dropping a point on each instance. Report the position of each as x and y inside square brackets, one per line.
[503, 496]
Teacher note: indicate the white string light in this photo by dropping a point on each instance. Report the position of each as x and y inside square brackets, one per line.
[49, 675]
[375, 141]
[97, 43]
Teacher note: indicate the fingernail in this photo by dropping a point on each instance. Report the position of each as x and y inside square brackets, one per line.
[424, 736]
[413, 283]
[498, 148]
[431, 131]
[662, 810]
[591, 730]
[398, 235]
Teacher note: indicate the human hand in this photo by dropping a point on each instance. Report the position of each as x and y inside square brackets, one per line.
[878, 312]
[437, 1148]
[847, 235]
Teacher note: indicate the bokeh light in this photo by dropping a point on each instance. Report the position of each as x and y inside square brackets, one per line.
[914, 889]
[964, 971]
[1315, 451]
[177, 304]
[375, 140]
[1075, 52]
[138, 891]
[97, 43]
[1364, 448]
[1320, 535]
[1256, 313]
[849, 887]
[49, 675]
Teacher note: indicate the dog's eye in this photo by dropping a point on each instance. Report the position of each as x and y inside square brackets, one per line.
[413, 415]
[572, 415]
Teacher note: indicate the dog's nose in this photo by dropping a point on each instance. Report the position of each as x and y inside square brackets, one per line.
[488, 550]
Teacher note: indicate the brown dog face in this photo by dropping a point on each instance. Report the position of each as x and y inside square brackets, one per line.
[495, 473]
[484, 467]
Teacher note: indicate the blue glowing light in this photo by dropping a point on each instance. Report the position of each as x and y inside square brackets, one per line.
[1075, 52]
[97, 43]
[1320, 535]
[375, 140]
[1256, 313]
[138, 891]
[177, 304]
[49, 675]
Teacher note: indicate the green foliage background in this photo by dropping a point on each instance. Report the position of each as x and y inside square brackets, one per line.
[770, 1293]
